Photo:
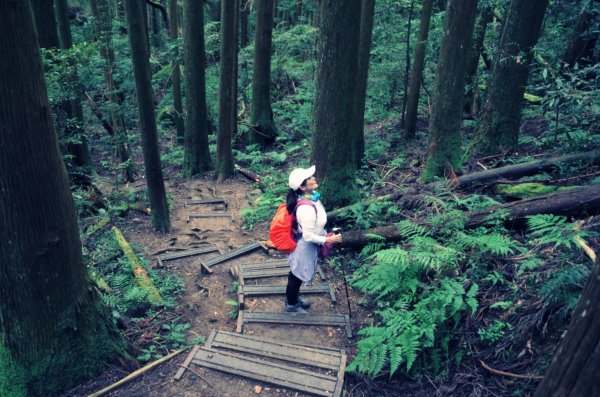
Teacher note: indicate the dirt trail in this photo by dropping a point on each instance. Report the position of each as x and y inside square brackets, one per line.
[207, 311]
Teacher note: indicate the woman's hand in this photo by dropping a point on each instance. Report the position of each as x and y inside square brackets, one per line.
[334, 238]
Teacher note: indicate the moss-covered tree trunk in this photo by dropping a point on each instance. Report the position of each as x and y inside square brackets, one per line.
[103, 17]
[498, 127]
[362, 74]
[176, 74]
[74, 130]
[196, 154]
[485, 17]
[145, 99]
[263, 128]
[573, 371]
[45, 23]
[446, 110]
[414, 89]
[227, 90]
[54, 329]
[333, 130]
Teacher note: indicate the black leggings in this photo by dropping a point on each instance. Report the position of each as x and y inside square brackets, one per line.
[293, 289]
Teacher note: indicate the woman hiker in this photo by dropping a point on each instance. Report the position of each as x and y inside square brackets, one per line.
[311, 218]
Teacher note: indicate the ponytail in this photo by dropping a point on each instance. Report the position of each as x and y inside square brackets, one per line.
[291, 201]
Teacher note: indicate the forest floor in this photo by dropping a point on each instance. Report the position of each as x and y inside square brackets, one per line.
[205, 310]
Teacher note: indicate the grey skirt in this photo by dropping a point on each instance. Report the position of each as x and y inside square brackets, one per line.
[303, 260]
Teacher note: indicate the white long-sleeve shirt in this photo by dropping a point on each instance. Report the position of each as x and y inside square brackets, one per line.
[312, 224]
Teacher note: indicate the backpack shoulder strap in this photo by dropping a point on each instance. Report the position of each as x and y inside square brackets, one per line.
[305, 202]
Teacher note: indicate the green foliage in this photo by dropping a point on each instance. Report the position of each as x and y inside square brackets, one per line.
[233, 312]
[494, 332]
[562, 289]
[552, 229]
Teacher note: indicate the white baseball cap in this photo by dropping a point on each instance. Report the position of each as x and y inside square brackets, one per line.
[298, 176]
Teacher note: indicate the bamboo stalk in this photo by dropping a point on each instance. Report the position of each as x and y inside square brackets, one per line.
[134, 374]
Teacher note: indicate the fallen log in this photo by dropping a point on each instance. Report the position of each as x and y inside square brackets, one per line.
[141, 276]
[573, 203]
[519, 170]
[406, 201]
[94, 107]
[248, 174]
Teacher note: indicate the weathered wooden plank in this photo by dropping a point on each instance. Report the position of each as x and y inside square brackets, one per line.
[195, 215]
[184, 254]
[273, 272]
[272, 348]
[206, 201]
[186, 363]
[275, 373]
[339, 386]
[297, 319]
[206, 265]
[265, 265]
[261, 290]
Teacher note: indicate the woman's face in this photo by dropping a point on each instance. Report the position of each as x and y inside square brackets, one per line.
[311, 185]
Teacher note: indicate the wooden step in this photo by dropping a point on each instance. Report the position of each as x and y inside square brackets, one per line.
[335, 319]
[322, 357]
[206, 265]
[206, 201]
[275, 373]
[265, 269]
[194, 215]
[186, 253]
[265, 290]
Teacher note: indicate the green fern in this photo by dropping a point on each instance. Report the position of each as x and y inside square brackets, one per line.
[550, 229]
[562, 289]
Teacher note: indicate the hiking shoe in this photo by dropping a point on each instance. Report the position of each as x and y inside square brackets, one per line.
[304, 303]
[295, 309]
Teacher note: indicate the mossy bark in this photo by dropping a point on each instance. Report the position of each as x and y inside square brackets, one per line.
[485, 17]
[227, 90]
[362, 74]
[498, 127]
[103, 17]
[54, 330]
[196, 154]
[412, 99]
[176, 74]
[446, 110]
[145, 99]
[333, 137]
[262, 115]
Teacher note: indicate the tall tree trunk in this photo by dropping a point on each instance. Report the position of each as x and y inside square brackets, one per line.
[103, 29]
[155, 21]
[176, 75]
[196, 153]
[583, 40]
[487, 14]
[145, 98]
[77, 143]
[407, 62]
[574, 368]
[499, 124]
[412, 100]
[362, 74]
[264, 129]
[333, 137]
[244, 13]
[45, 23]
[227, 90]
[54, 329]
[446, 110]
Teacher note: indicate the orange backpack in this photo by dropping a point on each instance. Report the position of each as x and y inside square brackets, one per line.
[283, 232]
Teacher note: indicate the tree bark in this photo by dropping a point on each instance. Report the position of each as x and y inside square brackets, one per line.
[333, 137]
[446, 109]
[145, 98]
[362, 73]
[498, 127]
[407, 61]
[487, 14]
[244, 13]
[227, 90]
[76, 141]
[582, 41]
[45, 23]
[572, 203]
[263, 131]
[412, 101]
[487, 177]
[176, 75]
[103, 31]
[196, 153]
[54, 329]
[575, 365]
